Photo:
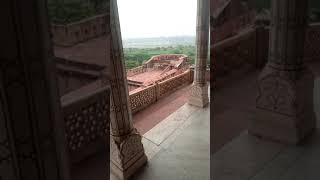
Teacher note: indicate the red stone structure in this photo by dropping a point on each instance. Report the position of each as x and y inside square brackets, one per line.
[160, 75]
[157, 69]
[80, 31]
[228, 17]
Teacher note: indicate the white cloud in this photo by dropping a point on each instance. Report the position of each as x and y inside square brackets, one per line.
[155, 18]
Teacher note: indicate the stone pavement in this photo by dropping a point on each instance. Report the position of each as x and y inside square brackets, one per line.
[232, 106]
[236, 155]
[149, 117]
[178, 148]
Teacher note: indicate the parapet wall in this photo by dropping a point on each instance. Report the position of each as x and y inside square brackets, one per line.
[86, 118]
[163, 57]
[143, 97]
[232, 27]
[251, 48]
[135, 71]
[73, 33]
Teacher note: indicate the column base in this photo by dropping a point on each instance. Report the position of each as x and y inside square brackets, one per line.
[127, 173]
[127, 155]
[199, 96]
[285, 110]
[280, 128]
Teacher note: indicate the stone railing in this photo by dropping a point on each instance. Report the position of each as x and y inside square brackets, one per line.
[86, 117]
[232, 27]
[135, 71]
[251, 48]
[163, 57]
[72, 75]
[141, 98]
[234, 52]
[70, 34]
[173, 83]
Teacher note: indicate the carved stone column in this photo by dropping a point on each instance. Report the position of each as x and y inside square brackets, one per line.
[199, 91]
[127, 152]
[285, 87]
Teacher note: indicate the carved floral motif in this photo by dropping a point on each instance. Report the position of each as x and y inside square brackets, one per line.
[86, 122]
[123, 151]
[277, 94]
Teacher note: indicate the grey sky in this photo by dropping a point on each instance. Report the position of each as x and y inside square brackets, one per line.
[155, 18]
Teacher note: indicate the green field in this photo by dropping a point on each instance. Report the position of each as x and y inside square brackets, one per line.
[67, 11]
[134, 57]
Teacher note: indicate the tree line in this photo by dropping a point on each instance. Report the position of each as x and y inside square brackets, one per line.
[67, 11]
[134, 57]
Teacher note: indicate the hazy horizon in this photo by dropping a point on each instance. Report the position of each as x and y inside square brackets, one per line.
[156, 37]
[155, 19]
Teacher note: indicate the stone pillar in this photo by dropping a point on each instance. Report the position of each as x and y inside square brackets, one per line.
[199, 90]
[284, 104]
[32, 136]
[127, 152]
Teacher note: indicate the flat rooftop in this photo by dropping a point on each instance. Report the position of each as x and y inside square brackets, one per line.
[146, 76]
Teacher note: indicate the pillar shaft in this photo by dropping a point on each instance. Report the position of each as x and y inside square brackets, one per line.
[288, 27]
[285, 87]
[199, 90]
[121, 121]
[127, 152]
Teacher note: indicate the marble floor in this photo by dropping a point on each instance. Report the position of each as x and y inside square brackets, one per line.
[176, 142]
[178, 148]
[246, 157]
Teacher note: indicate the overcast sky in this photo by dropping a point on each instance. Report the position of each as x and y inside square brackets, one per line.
[155, 18]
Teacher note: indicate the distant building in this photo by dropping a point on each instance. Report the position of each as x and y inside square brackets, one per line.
[157, 69]
[228, 17]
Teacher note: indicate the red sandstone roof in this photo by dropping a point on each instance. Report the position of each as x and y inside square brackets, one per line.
[145, 77]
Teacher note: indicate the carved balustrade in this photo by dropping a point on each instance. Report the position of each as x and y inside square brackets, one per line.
[86, 116]
[135, 71]
[251, 48]
[143, 97]
[163, 59]
[174, 83]
[232, 27]
[73, 33]
[234, 52]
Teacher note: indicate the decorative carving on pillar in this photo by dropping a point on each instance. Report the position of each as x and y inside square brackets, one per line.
[127, 152]
[285, 86]
[277, 94]
[199, 90]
